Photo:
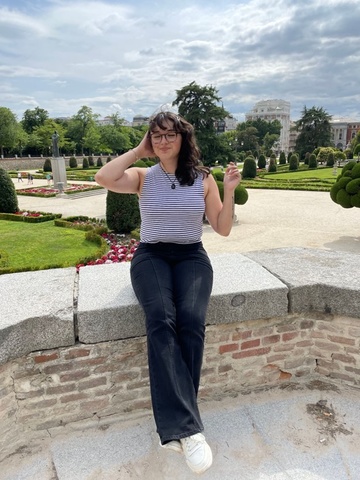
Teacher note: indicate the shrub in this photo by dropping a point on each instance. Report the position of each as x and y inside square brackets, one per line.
[122, 212]
[249, 168]
[85, 163]
[91, 161]
[346, 189]
[293, 162]
[312, 161]
[330, 160]
[272, 165]
[108, 159]
[218, 175]
[72, 162]
[282, 159]
[99, 162]
[262, 161]
[241, 195]
[47, 165]
[8, 198]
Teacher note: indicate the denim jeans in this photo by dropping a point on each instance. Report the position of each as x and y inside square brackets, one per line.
[173, 285]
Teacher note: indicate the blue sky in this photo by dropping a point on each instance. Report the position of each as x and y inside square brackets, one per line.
[131, 56]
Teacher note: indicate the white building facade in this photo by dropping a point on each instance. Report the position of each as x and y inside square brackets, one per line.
[270, 110]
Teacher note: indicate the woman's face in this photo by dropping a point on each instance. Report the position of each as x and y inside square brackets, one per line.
[166, 142]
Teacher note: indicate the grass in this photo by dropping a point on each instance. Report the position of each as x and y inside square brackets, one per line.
[38, 246]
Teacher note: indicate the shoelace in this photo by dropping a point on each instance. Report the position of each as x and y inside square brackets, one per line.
[192, 444]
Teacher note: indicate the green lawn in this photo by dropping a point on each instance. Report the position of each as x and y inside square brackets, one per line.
[37, 246]
[322, 173]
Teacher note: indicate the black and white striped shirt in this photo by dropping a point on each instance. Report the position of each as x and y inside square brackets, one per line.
[170, 215]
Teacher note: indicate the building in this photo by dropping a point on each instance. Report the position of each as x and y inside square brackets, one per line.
[140, 120]
[344, 130]
[270, 110]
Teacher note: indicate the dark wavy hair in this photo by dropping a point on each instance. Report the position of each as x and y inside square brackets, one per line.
[189, 165]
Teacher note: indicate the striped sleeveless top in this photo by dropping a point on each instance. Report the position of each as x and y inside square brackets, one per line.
[170, 215]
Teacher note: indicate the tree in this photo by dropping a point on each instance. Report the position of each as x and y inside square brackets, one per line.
[41, 136]
[8, 198]
[79, 124]
[314, 130]
[198, 105]
[34, 118]
[282, 158]
[8, 129]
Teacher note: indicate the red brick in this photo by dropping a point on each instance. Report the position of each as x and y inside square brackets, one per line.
[257, 352]
[58, 390]
[230, 347]
[73, 376]
[271, 339]
[94, 382]
[225, 368]
[46, 358]
[343, 358]
[241, 335]
[343, 340]
[250, 344]
[76, 353]
[73, 398]
[289, 336]
[95, 405]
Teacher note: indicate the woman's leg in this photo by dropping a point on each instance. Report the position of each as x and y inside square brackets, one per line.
[172, 386]
[193, 279]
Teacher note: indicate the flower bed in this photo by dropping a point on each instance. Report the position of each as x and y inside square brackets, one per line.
[120, 251]
[29, 216]
[52, 192]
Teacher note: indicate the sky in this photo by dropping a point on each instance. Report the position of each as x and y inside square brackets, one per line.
[131, 56]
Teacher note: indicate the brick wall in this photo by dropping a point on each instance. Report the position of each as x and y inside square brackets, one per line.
[55, 387]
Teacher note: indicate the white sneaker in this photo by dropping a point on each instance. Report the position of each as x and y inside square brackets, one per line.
[174, 445]
[197, 452]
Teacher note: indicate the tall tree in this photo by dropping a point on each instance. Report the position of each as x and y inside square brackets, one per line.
[314, 130]
[79, 124]
[8, 129]
[34, 118]
[199, 105]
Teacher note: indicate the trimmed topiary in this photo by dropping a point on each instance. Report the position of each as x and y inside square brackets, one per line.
[312, 161]
[346, 189]
[85, 163]
[122, 212]
[8, 198]
[99, 162]
[47, 165]
[262, 161]
[72, 162]
[293, 162]
[241, 195]
[249, 168]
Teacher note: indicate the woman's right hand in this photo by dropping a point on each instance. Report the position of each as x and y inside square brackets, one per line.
[144, 149]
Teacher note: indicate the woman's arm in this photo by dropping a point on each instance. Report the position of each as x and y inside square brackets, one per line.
[116, 174]
[221, 214]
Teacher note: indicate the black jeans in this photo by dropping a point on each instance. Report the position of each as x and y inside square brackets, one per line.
[173, 285]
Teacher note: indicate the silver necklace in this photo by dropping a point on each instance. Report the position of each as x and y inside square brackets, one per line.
[173, 186]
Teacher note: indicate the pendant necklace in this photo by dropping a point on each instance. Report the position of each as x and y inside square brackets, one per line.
[173, 186]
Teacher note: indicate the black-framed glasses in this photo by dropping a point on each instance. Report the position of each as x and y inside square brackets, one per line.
[169, 137]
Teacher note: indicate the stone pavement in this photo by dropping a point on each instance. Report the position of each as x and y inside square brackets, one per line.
[310, 433]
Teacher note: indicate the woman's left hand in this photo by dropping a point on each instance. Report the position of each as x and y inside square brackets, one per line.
[232, 177]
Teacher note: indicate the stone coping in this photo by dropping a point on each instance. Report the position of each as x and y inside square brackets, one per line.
[54, 308]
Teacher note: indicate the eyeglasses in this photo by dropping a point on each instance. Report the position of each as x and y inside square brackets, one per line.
[169, 137]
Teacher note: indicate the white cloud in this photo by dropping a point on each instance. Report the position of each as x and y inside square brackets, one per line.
[135, 55]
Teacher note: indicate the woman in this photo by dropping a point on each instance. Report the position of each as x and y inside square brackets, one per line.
[171, 273]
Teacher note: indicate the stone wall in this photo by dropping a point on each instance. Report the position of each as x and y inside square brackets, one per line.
[73, 346]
